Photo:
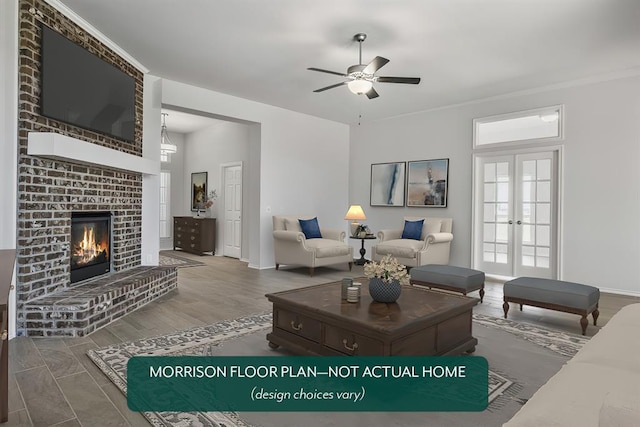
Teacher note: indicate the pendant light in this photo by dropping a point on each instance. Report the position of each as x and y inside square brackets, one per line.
[166, 146]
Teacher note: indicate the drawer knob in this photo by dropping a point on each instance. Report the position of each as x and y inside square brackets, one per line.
[352, 348]
[295, 327]
[4, 335]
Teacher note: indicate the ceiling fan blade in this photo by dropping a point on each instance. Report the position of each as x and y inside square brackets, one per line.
[406, 80]
[373, 66]
[330, 87]
[327, 71]
[372, 93]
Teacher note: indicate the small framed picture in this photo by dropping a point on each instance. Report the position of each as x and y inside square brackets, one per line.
[387, 184]
[198, 190]
[427, 183]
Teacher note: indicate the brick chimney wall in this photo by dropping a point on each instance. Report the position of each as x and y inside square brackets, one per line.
[49, 190]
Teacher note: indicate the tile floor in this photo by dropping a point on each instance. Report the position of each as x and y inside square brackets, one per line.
[53, 383]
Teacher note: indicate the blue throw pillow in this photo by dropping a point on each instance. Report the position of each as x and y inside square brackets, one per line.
[310, 228]
[412, 229]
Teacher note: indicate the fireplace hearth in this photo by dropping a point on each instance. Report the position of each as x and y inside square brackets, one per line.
[90, 245]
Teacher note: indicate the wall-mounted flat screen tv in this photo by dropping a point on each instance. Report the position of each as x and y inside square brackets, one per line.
[79, 88]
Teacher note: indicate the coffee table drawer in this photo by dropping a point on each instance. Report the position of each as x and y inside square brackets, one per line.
[298, 324]
[352, 344]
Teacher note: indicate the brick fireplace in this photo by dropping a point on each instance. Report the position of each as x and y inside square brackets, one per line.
[90, 253]
[52, 188]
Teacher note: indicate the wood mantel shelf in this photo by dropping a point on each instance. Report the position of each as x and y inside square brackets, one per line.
[57, 146]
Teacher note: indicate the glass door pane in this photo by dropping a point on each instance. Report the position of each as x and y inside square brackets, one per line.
[534, 221]
[494, 249]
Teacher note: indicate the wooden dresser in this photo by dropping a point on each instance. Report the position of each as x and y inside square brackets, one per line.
[7, 261]
[194, 235]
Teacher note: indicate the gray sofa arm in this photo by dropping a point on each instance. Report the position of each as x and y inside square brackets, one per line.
[389, 235]
[333, 234]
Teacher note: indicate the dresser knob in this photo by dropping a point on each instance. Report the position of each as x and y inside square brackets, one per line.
[4, 335]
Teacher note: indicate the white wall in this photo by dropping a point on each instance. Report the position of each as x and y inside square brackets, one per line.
[152, 97]
[205, 151]
[9, 135]
[601, 202]
[303, 162]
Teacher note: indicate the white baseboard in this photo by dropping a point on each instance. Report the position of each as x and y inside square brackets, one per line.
[261, 268]
[621, 292]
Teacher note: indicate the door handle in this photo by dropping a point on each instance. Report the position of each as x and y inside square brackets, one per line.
[510, 222]
[519, 222]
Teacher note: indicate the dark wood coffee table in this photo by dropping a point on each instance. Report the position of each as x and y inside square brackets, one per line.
[315, 321]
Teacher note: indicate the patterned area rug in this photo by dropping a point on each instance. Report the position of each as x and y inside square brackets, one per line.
[169, 258]
[210, 340]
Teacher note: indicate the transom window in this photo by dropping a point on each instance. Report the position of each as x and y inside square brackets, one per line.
[541, 124]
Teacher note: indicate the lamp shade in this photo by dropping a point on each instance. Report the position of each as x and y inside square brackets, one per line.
[355, 213]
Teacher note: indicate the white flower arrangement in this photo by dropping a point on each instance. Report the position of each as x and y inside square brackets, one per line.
[211, 197]
[387, 269]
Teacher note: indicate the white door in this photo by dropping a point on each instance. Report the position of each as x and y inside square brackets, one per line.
[232, 238]
[516, 224]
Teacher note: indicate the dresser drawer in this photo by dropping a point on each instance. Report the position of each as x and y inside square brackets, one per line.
[298, 324]
[352, 344]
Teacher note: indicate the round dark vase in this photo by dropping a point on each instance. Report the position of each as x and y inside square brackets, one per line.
[382, 291]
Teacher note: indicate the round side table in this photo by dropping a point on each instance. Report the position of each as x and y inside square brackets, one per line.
[362, 260]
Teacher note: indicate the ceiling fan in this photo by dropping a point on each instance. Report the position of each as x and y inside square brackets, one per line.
[360, 77]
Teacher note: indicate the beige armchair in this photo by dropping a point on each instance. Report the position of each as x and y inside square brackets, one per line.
[290, 246]
[433, 247]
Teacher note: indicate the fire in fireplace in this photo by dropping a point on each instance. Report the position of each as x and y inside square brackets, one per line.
[90, 244]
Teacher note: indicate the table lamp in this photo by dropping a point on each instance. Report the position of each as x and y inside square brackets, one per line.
[355, 213]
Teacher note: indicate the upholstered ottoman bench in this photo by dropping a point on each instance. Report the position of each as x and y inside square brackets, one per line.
[556, 295]
[448, 277]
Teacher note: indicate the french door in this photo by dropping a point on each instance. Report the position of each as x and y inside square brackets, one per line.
[516, 214]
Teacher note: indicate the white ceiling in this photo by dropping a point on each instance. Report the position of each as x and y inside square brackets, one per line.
[463, 50]
[181, 122]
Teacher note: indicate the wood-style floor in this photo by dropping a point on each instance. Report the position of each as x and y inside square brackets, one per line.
[53, 383]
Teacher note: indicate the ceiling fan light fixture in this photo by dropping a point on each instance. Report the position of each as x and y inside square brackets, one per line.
[359, 86]
[360, 78]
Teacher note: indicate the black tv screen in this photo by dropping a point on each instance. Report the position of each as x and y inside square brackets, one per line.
[81, 89]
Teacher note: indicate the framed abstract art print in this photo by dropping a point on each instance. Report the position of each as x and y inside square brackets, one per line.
[427, 183]
[387, 184]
